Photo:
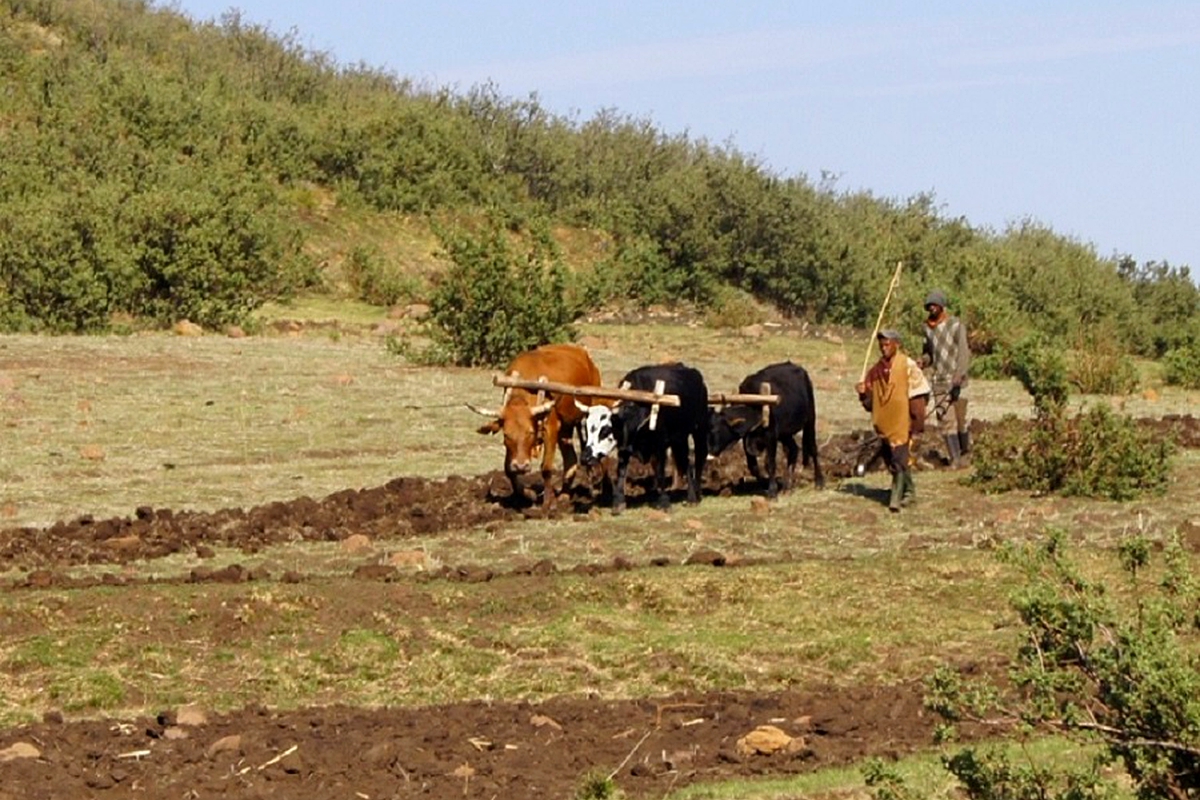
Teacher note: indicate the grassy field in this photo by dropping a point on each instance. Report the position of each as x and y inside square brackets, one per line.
[844, 592]
[102, 425]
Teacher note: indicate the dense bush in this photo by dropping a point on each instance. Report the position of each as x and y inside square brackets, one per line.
[376, 280]
[1168, 307]
[116, 199]
[1181, 366]
[1097, 453]
[496, 300]
[1101, 366]
[1042, 370]
[1123, 675]
[116, 106]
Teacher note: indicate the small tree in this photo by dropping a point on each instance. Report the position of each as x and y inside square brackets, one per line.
[1181, 366]
[1123, 675]
[495, 302]
[1097, 453]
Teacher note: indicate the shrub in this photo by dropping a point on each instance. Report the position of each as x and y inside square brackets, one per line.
[993, 366]
[54, 268]
[1110, 456]
[989, 773]
[1100, 367]
[1120, 675]
[734, 309]
[885, 782]
[1095, 454]
[1181, 366]
[212, 253]
[1015, 456]
[1042, 371]
[495, 302]
[598, 786]
[377, 281]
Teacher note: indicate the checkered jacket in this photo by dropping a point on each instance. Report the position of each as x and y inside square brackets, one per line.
[947, 354]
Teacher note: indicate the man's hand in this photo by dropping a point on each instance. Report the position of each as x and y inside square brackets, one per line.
[955, 391]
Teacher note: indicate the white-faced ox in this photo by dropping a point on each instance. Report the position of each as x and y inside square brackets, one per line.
[795, 413]
[529, 426]
[632, 428]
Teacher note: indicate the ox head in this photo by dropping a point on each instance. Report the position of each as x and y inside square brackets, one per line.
[599, 437]
[521, 424]
[728, 427]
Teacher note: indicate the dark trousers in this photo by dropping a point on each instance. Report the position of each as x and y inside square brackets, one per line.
[895, 456]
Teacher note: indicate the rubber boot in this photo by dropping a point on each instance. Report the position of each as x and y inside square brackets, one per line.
[964, 442]
[908, 490]
[952, 450]
[897, 491]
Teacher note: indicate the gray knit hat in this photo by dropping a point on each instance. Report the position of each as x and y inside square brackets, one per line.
[888, 333]
[936, 298]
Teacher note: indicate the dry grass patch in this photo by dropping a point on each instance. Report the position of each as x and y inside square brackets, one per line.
[101, 426]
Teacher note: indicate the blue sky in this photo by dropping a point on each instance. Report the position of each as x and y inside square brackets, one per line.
[1084, 116]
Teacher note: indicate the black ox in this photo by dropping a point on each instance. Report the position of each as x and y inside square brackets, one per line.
[633, 428]
[796, 413]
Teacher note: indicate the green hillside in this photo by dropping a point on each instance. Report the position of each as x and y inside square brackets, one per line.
[156, 168]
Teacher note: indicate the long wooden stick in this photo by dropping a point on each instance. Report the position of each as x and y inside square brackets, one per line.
[623, 393]
[737, 398]
[879, 319]
[590, 391]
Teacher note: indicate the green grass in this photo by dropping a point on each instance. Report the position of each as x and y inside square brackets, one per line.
[922, 774]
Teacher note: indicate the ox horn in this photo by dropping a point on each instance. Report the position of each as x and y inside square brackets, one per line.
[584, 408]
[485, 412]
[542, 408]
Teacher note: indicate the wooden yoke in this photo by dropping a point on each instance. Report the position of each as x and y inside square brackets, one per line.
[764, 399]
[659, 387]
[624, 393]
[737, 398]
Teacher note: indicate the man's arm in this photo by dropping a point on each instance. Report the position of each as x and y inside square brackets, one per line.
[963, 353]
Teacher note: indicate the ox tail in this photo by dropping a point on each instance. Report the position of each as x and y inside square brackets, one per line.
[809, 443]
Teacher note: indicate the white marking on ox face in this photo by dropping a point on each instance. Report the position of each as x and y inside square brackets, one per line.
[598, 437]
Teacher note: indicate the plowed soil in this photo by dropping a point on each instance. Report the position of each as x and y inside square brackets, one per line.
[475, 750]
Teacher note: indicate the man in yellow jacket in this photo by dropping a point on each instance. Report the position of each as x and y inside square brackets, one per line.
[884, 391]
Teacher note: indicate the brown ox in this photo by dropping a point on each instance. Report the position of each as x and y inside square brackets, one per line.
[530, 426]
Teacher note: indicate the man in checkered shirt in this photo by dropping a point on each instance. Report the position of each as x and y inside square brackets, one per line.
[946, 359]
